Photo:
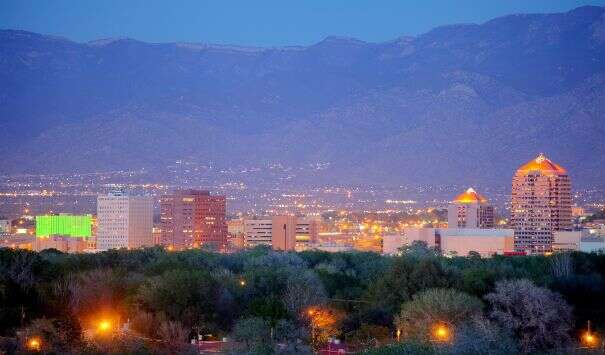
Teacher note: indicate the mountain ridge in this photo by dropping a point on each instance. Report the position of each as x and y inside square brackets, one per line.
[403, 110]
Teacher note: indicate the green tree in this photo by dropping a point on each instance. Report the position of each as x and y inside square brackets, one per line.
[252, 332]
[404, 348]
[188, 296]
[406, 277]
[420, 315]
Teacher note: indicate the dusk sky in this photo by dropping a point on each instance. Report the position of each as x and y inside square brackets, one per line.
[265, 23]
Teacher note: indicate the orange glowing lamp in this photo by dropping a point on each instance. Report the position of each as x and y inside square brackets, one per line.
[589, 339]
[104, 326]
[34, 344]
[442, 333]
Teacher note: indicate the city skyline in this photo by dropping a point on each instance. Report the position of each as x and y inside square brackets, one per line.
[270, 177]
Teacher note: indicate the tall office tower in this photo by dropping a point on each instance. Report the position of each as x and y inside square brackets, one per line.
[124, 221]
[193, 218]
[470, 210]
[540, 204]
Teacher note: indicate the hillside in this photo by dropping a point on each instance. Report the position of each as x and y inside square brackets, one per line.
[461, 103]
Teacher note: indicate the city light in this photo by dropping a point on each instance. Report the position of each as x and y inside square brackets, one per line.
[242, 283]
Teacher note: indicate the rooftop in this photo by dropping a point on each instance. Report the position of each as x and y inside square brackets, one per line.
[470, 196]
[476, 232]
[543, 165]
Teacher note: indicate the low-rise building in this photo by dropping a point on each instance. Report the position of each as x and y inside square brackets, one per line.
[392, 243]
[281, 232]
[581, 240]
[15, 241]
[257, 232]
[62, 243]
[486, 242]
[5, 226]
[592, 244]
[332, 247]
[430, 236]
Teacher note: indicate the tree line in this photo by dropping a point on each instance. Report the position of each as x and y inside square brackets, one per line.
[269, 302]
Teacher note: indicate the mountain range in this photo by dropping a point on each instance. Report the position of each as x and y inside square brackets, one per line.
[464, 104]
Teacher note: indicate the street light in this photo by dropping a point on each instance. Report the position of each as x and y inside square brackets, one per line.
[34, 344]
[589, 339]
[242, 283]
[442, 332]
[104, 326]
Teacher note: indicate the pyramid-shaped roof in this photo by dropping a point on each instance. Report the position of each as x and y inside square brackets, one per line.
[470, 196]
[543, 165]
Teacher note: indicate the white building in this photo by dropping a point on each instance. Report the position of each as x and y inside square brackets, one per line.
[453, 241]
[124, 221]
[578, 241]
[470, 210]
[486, 242]
[391, 243]
[428, 235]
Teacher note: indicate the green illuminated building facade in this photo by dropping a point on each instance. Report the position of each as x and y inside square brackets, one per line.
[64, 225]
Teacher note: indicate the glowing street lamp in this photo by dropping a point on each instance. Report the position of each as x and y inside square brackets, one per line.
[34, 344]
[104, 326]
[442, 333]
[242, 283]
[589, 339]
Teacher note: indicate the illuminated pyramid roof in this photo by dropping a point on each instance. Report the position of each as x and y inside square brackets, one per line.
[470, 196]
[543, 165]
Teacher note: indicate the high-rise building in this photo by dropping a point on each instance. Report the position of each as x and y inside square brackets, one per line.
[470, 210]
[193, 218]
[540, 204]
[124, 221]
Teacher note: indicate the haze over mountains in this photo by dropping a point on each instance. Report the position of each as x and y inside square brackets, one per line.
[459, 104]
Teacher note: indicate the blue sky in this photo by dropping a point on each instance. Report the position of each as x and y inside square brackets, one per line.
[256, 22]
